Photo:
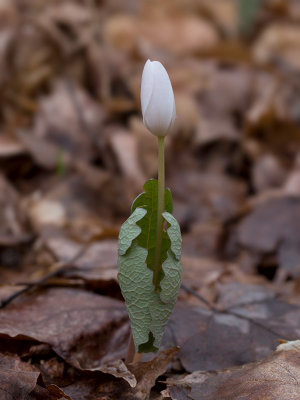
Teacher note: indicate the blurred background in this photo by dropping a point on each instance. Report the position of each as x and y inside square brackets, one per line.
[74, 152]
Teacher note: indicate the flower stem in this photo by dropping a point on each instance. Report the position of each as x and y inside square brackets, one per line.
[160, 210]
[132, 356]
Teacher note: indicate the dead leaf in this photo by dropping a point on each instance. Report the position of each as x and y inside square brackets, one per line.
[223, 13]
[98, 263]
[125, 147]
[147, 147]
[8, 290]
[210, 196]
[63, 116]
[267, 173]
[13, 229]
[138, 379]
[85, 329]
[278, 41]
[212, 340]
[122, 32]
[17, 378]
[71, 199]
[234, 294]
[146, 373]
[274, 378]
[271, 228]
[10, 146]
[181, 35]
[95, 263]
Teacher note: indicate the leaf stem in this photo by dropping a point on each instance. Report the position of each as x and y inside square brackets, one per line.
[132, 356]
[160, 210]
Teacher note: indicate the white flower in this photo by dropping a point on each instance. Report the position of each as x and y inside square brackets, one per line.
[157, 98]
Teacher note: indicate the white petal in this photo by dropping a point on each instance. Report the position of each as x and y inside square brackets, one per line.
[160, 111]
[173, 116]
[146, 85]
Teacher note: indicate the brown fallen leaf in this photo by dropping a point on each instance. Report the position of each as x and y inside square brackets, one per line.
[145, 373]
[278, 41]
[138, 379]
[81, 389]
[121, 31]
[8, 290]
[271, 228]
[14, 229]
[210, 340]
[17, 378]
[69, 199]
[64, 381]
[95, 263]
[8, 20]
[61, 119]
[85, 329]
[125, 148]
[274, 108]
[98, 263]
[235, 294]
[10, 146]
[57, 392]
[223, 13]
[210, 196]
[267, 173]
[41, 393]
[180, 35]
[200, 274]
[274, 378]
[203, 239]
[147, 147]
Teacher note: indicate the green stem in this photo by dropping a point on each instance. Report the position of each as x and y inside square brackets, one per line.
[160, 210]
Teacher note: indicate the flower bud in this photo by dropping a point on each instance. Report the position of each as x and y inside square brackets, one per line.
[157, 98]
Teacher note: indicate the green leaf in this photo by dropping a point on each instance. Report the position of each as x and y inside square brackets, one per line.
[136, 285]
[147, 238]
[149, 197]
[174, 234]
[149, 309]
[129, 230]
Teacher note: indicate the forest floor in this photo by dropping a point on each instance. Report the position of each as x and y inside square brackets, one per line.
[74, 154]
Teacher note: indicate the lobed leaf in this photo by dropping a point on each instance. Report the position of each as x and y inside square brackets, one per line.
[147, 238]
[130, 230]
[149, 309]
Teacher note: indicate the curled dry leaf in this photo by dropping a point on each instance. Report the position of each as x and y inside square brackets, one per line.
[138, 380]
[274, 378]
[146, 373]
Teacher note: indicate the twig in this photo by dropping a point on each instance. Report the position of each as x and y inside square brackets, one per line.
[199, 297]
[60, 267]
[229, 312]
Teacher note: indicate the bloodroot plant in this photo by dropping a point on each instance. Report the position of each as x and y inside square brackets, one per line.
[150, 239]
